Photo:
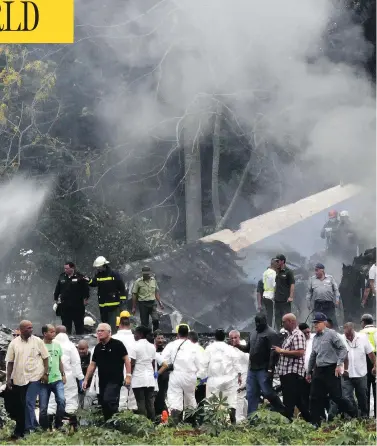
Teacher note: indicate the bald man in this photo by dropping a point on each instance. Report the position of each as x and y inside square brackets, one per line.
[27, 365]
[291, 367]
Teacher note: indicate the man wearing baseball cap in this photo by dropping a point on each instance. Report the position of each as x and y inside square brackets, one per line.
[325, 369]
[284, 290]
[323, 293]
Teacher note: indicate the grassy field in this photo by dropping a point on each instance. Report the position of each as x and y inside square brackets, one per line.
[269, 428]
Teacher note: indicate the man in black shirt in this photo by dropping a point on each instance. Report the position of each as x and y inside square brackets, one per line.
[110, 356]
[73, 292]
[262, 361]
[284, 291]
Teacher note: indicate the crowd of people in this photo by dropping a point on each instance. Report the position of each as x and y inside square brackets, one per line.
[322, 374]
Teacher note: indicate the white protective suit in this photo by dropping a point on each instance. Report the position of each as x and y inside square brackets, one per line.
[72, 369]
[221, 364]
[127, 398]
[241, 410]
[182, 380]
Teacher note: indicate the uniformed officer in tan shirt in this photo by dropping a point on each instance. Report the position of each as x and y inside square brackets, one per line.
[146, 292]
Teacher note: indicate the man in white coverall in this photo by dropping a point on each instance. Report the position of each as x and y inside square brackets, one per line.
[241, 411]
[72, 368]
[181, 357]
[124, 334]
[220, 363]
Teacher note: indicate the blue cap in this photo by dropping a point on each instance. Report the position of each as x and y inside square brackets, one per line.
[320, 266]
[319, 317]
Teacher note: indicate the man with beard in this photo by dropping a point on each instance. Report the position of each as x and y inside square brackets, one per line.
[261, 365]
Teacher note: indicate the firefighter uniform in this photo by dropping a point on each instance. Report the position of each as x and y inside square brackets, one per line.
[112, 295]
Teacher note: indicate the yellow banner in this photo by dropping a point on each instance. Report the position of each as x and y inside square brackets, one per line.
[37, 21]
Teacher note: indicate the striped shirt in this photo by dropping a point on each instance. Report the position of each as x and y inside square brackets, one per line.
[293, 364]
[27, 357]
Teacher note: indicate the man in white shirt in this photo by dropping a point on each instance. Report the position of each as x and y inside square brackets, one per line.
[221, 365]
[269, 284]
[241, 410]
[143, 359]
[181, 357]
[124, 334]
[355, 377]
[369, 298]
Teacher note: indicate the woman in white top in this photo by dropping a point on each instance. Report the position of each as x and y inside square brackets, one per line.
[143, 367]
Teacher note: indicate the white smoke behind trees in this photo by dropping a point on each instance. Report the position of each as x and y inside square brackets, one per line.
[265, 61]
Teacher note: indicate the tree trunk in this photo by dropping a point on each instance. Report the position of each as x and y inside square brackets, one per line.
[193, 190]
[215, 164]
[222, 222]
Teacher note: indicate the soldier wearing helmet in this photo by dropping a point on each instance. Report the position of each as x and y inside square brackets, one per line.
[112, 294]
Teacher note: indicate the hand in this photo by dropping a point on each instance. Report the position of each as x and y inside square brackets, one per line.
[127, 381]
[241, 389]
[9, 384]
[338, 371]
[239, 380]
[270, 374]
[84, 385]
[308, 378]
[44, 378]
[337, 303]
[374, 371]
[277, 349]
[86, 301]
[290, 299]
[87, 278]
[161, 305]
[345, 373]
[259, 308]
[363, 302]
[64, 379]
[155, 375]
[133, 311]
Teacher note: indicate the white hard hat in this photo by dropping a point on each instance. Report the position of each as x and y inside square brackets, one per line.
[100, 261]
[89, 321]
[344, 214]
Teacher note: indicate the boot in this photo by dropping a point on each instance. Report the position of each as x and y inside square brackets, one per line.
[232, 415]
[176, 416]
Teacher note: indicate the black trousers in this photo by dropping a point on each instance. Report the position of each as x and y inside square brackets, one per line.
[327, 308]
[371, 382]
[325, 382]
[293, 388]
[145, 401]
[109, 398]
[72, 315]
[109, 316]
[19, 396]
[281, 308]
[146, 309]
[268, 309]
[160, 398]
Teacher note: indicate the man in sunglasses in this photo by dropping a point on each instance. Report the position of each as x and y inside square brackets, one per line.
[323, 294]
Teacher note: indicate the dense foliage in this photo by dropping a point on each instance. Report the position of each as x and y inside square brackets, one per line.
[270, 428]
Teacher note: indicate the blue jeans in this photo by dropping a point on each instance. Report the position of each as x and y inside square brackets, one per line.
[57, 388]
[259, 382]
[33, 390]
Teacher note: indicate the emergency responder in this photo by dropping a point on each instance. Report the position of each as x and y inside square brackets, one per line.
[145, 291]
[370, 330]
[330, 232]
[269, 283]
[284, 290]
[112, 294]
[72, 294]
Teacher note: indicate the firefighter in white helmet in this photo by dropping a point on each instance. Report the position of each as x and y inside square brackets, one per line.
[112, 294]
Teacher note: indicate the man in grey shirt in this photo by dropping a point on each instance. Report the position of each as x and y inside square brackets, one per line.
[323, 293]
[325, 369]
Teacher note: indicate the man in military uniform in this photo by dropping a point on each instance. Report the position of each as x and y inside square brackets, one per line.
[145, 291]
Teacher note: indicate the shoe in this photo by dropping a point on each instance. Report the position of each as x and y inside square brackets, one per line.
[16, 436]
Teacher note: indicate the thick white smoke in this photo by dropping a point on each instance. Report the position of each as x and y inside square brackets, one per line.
[265, 61]
[20, 204]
